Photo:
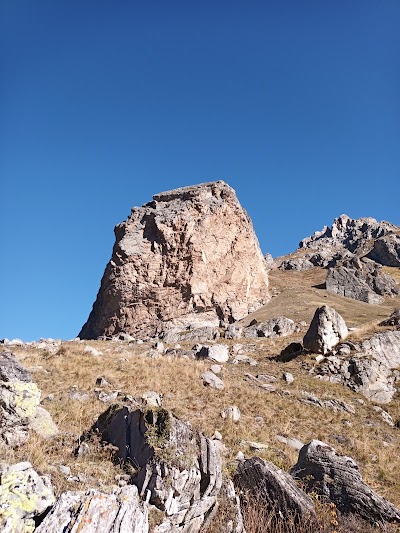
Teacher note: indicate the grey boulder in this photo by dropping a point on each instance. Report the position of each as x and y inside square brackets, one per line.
[326, 330]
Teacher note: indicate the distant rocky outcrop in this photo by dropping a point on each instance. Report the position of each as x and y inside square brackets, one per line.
[346, 238]
[189, 257]
[361, 279]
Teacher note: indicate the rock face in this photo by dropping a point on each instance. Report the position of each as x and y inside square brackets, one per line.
[24, 495]
[19, 404]
[189, 257]
[178, 470]
[274, 487]
[372, 368]
[327, 329]
[338, 478]
[97, 512]
[386, 250]
[361, 280]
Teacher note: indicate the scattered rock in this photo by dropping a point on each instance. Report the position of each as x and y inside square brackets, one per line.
[384, 415]
[78, 395]
[276, 327]
[11, 369]
[336, 405]
[295, 444]
[275, 487]
[326, 330]
[24, 496]
[92, 351]
[393, 320]
[217, 352]
[98, 512]
[254, 446]
[231, 413]
[190, 333]
[152, 399]
[241, 358]
[259, 382]
[288, 377]
[338, 478]
[216, 369]
[300, 264]
[210, 379]
[181, 259]
[293, 350]
[233, 331]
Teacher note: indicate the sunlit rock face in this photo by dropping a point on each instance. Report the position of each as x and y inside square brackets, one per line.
[189, 257]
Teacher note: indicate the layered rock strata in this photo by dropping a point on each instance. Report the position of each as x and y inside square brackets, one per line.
[189, 257]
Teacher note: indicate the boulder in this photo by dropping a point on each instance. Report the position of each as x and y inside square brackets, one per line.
[326, 330]
[177, 470]
[24, 496]
[276, 327]
[338, 479]
[361, 280]
[11, 369]
[231, 413]
[386, 250]
[178, 260]
[213, 381]
[97, 512]
[276, 489]
[216, 352]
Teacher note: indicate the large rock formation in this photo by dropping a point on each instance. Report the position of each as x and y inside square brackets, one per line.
[361, 279]
[188, 257]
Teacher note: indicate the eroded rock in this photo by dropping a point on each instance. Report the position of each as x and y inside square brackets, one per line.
[338, 479]
[326, 330]
[181, 259]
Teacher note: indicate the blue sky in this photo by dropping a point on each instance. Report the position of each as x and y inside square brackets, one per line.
[103, 104]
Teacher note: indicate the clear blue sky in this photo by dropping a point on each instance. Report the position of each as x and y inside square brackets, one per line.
[296, 104]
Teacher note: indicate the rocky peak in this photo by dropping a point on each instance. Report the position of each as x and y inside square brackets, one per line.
[348, 233]
[188, 257]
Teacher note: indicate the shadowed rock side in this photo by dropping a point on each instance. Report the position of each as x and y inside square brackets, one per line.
[188, 257]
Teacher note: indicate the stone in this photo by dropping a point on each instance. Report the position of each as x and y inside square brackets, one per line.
[373, 370]
[290, 352]
[276, 327]
[177, 469]
[216, 369]
[231, 413]
[92, 351]
[78, 395]
[386, 250]
[384, 415]
[326, 330]
[152, 399]
[213, 381]
[11, 369]
[295, 444]
[178, 260]
[393, 320]
[107, 397]
[338, 478]
[260, 382]
[233, 331]
[361, 280]
[24, 496]
[216, 352]
[43, 424]
[275, 488]
[242, 358]
[334, 404]
[97, 512]
[288, 377]
[254, 446]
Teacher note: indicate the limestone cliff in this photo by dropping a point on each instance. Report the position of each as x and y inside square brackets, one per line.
[188, 257]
